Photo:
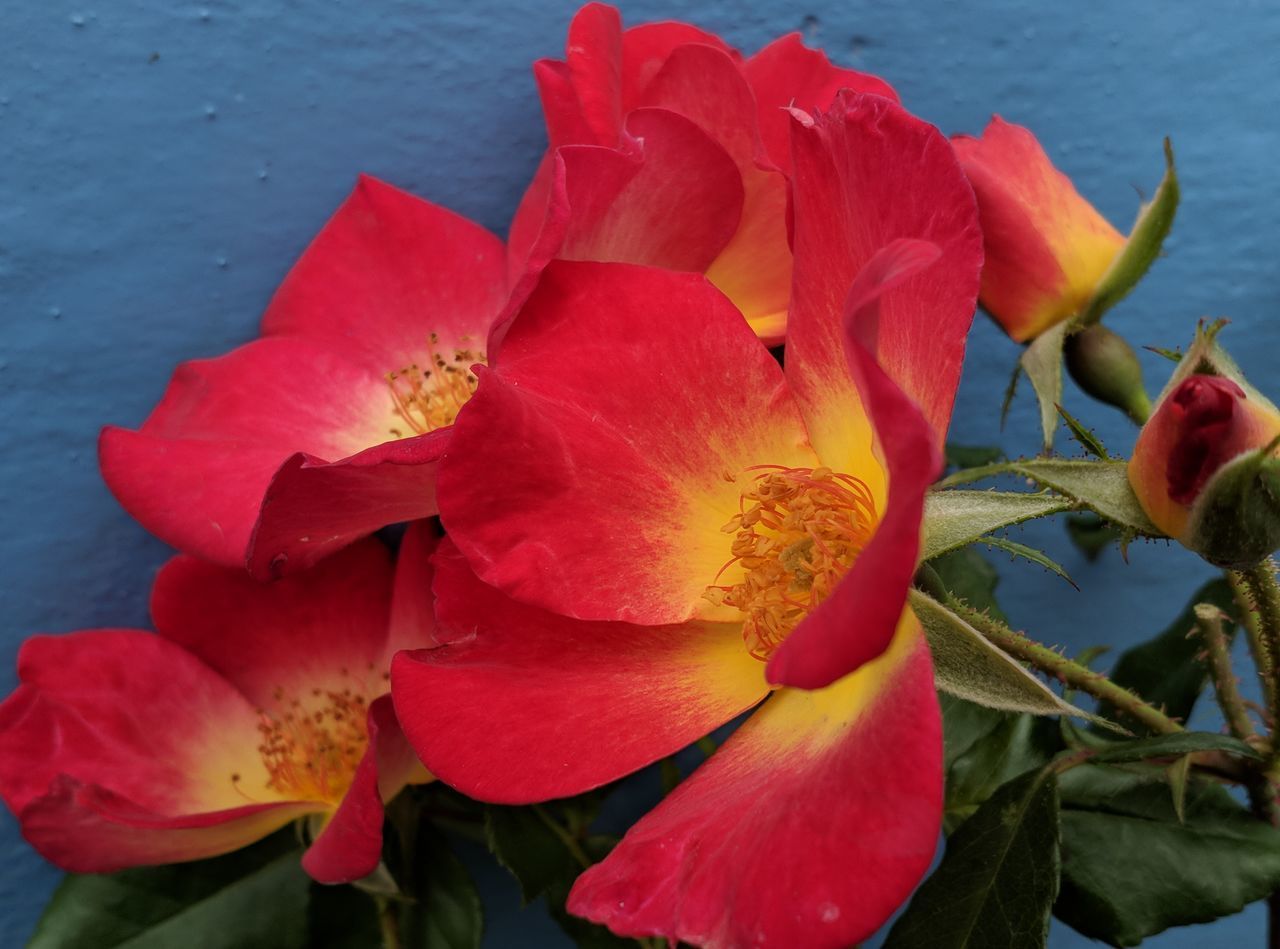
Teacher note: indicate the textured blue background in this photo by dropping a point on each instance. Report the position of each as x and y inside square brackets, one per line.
[163, 164]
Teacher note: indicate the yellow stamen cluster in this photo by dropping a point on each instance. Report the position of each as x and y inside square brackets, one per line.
[431, 398]
[311, 751]
[798, 532]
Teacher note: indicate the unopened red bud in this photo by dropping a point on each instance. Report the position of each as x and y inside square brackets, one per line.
[1205, 470]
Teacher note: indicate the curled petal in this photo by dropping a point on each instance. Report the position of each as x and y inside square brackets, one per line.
[868, 173]
[350, 845]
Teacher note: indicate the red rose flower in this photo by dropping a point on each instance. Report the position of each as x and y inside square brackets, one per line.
[254, 705]
[331, 425]
[669, 149]
[651, 533]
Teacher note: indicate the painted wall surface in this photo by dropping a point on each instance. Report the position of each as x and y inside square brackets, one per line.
[162, 164]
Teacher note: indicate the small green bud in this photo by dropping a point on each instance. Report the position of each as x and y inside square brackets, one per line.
[1106, 368]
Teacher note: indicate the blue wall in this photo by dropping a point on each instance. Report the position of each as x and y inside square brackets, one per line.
[162, 165]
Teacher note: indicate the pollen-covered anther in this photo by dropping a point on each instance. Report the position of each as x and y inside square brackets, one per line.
[797, 532]
[425, 399]
[311, 750]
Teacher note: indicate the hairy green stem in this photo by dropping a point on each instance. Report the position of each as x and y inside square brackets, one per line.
[1258, 647]
[1263, 594]
[1073, 673]
[1227, 689]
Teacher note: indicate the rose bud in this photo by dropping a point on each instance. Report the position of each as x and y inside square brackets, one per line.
[1047, 248]
[1106, 368]
[1205, 469]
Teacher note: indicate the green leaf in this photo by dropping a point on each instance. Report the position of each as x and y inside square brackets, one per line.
[445, 910]
[1167, 746]
[1042, 362]
[538, 855]
[529, 849]
[1038, 557]
[983, 748]
[1130, 869]
[1101, 486]
[967, 665]
[1087, 439]
[1143, 247]
[998, 877]
[1167, 670]
[955, 518]
[253, 897]
[971, 456]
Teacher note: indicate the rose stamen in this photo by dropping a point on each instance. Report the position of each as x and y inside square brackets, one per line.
[797, 532]
[427, 399]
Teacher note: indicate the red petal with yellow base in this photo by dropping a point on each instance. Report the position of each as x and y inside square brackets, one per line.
[118, 749]
[594, 469]
[807, 829]
[868, 173]
[1047, 248]
[255, 705]
[856, 623]
[524, 705]
[305, 420]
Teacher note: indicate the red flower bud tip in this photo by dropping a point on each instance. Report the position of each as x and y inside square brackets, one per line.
[1199, 428]
[1047, 248]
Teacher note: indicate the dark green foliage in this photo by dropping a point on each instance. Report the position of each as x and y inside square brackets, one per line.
[1131, 868]
[998, 878]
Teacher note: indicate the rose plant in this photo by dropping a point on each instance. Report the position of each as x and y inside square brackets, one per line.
[484, 539]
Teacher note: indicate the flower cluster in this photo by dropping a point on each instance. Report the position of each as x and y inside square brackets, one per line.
[632, 518]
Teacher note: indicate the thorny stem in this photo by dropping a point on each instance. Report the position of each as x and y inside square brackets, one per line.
[1258, 646]
[1258, 594]
[1072, 673]
[1209, 622]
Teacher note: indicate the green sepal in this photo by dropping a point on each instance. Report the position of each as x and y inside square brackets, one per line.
[1172, 745]
[953, 519]
[1235, 520]
[1142, 248]
[1087, 439]
[1042, 362]
[1100, 486]
[1030, 554]
[967, 665]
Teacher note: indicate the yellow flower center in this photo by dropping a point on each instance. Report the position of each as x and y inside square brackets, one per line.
[798, 532]
[427, 399]
[311, 750]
